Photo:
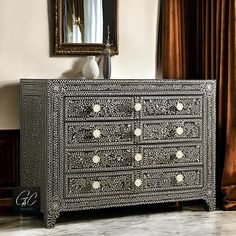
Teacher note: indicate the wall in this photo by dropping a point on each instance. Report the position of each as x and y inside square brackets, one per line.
[24, 49]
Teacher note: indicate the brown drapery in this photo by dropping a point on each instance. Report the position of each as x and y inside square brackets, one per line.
[198, 42]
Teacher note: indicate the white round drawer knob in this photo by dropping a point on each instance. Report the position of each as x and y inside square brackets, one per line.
[179, 178]
[179, 130]
[96, 133]
[137, 132]
[138, 106]
[179, 154]
[179, 106]
[96, 159]
[138, 157]
[138, 182]
[96, 108]
[96, 185]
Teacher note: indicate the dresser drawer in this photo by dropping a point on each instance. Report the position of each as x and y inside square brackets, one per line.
[129, 157]
[174, 179]
[99, 108]
[171, 130]
[171, 106]
[171, 179]
[98, 184]
[99, 159]
[105, 133]
[172, 155]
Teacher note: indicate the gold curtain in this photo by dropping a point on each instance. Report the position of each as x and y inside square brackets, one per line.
[198, 42]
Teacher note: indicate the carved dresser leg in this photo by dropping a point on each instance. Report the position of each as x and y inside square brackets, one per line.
[211, 203]
[51, 218]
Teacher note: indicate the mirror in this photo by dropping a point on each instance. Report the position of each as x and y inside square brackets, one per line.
[83, 27]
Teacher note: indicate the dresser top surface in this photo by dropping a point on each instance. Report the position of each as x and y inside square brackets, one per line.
[119, 81]
[129, 85]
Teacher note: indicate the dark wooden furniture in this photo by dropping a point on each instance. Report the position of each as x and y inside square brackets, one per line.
[9, 167]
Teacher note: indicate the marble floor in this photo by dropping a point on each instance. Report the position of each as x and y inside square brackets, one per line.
[143, 221]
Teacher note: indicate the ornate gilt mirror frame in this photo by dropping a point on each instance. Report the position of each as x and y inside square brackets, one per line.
[61, 48]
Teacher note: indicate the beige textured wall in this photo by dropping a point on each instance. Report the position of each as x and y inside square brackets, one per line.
[24, 49]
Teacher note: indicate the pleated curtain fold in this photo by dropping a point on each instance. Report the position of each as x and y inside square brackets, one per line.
[198, 42]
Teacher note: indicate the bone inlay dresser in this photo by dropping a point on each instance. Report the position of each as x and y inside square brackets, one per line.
[105, 143]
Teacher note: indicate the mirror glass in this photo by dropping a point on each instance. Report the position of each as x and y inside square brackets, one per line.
[83, 27]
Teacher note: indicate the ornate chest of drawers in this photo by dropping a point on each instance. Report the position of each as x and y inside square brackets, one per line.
[105, 143]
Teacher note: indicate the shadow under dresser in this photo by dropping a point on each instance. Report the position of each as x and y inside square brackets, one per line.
[105, 143]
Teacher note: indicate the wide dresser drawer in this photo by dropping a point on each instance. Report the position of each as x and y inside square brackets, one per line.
[131, 107]
[127, 182]
[128, 132]
[115, 158]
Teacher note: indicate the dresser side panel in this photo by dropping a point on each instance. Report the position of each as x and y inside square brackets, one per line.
[33, 97]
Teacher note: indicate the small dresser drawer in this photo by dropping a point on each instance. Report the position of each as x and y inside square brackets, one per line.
[98, 184]
[171, 179]
[171, 130]
[105, 133]
[99, 159]
[99, 108]
[170, 155]
[171, 106]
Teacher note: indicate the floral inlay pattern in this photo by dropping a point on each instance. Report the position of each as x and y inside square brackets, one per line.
[108, 159]
[81, 133]
[110, 107]
[107, 185]
[166, 179]
[167, 155]
[167, 130]
[191, 106]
